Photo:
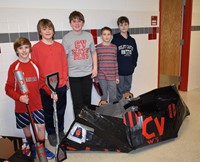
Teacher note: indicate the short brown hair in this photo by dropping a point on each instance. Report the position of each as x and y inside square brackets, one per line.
[106, 28]
[20, 42]
[45, 23]
[122, 19]
[76, 15]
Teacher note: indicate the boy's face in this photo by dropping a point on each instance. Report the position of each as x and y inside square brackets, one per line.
[77, 25]
[23, 52]
[46, 32]
[123, 27]
[106, 36]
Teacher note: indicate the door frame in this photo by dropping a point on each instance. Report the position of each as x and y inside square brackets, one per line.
[187, 26]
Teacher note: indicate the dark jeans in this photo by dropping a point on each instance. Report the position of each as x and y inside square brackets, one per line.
[81, 89]
[47, 103]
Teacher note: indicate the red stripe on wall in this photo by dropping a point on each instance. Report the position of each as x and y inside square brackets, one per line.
[94, 33]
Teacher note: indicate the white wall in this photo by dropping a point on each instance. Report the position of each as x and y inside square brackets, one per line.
[22, 16]
[194, 65]
[123, 5]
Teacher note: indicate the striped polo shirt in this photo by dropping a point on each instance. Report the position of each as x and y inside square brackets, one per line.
[107, 62]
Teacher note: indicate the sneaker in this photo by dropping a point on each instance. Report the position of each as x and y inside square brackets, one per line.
[33, 152]
[50, 155]
[102, 102]
[128, 95]
[52, 139]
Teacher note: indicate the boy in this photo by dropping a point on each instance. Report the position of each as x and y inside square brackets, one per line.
[22, 47]
[82, 61]
[107, 66]
[127, 55]
[50, 57]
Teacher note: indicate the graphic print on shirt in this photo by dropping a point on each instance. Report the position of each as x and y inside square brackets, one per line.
[31, 79]
[80, 51]
[126, 50]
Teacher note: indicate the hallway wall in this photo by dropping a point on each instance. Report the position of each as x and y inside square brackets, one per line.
[194, 66]
[20, 19]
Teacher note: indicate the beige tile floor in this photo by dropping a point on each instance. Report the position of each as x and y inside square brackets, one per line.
[184, 148]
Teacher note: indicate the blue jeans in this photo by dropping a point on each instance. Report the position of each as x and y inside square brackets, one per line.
[124, 85]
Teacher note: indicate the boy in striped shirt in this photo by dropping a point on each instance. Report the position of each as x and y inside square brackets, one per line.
[107, 67]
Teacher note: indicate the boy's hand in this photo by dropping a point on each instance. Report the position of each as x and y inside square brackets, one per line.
[24, 99]
[67, 85]
[117, 81]
[54, 97]
[94, 73]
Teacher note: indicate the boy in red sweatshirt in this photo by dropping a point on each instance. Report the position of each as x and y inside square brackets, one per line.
[22, 47]
[50, 57]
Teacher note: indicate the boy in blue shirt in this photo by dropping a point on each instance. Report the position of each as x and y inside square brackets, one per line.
[127, 55]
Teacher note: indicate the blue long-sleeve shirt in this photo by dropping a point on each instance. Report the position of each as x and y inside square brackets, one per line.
[127, 54]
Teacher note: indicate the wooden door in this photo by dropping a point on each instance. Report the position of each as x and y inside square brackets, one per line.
[170, 42]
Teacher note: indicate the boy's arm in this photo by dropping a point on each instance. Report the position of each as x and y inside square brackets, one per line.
[116, 64]
[135, 54]
[65, 66]
[64, 43]
[11, 85]
[94, 62]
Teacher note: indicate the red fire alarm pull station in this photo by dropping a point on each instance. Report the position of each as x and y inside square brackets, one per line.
[154, 20]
